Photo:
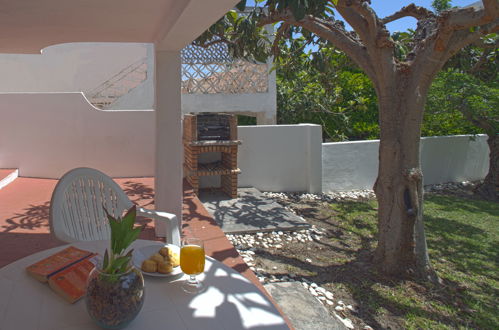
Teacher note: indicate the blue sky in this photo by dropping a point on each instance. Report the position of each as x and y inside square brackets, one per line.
[387, 7]
[384, 8]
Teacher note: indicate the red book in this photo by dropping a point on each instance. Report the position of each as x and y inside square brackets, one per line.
[65, 271]
[71, 283]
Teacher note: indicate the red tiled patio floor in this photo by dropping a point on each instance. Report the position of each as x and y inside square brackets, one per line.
[24, 225]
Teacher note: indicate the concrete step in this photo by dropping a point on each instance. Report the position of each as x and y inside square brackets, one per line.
[7, 175]
[303, 310]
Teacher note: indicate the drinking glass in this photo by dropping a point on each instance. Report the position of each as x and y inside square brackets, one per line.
[192, 263]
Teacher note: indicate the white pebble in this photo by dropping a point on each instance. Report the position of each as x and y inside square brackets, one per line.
[313, 292]
[339, 308]
[329, 295]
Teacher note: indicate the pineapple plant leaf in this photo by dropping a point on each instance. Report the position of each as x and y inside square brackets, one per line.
[123, 234]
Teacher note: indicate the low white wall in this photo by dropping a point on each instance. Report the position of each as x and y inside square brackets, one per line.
[281, 157]
[454, 158]
[349, 165]
[45, 135]
[354, 165]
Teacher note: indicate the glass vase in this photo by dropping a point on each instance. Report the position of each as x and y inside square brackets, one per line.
[114, 300]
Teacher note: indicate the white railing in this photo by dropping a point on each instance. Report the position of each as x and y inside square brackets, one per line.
[104, 95]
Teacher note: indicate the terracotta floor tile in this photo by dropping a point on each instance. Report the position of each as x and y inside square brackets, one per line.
[24, 226]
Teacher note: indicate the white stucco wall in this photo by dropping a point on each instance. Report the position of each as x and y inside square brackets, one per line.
[71, 67]
[354, 165]
[80, 67]
[260, 105]
[45, 135]
[454, 158]
[280, 157]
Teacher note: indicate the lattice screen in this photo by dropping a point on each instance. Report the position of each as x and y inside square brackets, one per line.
[212, 70]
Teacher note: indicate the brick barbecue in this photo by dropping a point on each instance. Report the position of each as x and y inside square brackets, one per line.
[211, 132]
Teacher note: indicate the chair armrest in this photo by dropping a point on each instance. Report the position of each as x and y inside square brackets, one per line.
[172, 226]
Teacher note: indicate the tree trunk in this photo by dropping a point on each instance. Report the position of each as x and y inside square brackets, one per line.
[489, 189]
[401, 246]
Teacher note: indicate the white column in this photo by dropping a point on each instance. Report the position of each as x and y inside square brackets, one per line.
[169, 152]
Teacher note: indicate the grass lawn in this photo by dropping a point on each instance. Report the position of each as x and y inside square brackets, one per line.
[463, 242]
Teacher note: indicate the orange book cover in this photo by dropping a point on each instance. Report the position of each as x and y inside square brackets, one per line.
[70, 283]
[43, 269]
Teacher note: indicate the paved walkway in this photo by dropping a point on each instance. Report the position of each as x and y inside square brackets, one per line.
[302, 309]
[250, 212]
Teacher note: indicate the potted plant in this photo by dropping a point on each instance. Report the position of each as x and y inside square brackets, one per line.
[115, 288]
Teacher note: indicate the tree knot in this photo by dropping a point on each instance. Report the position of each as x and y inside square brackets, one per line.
[413, 174]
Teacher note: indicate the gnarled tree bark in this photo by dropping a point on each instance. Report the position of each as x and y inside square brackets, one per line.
[489, 188]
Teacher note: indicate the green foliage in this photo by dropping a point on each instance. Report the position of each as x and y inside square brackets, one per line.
[243, 120]
[123, 234]
[441, 5]
[457, 102]
[324, 87]
[480, 60]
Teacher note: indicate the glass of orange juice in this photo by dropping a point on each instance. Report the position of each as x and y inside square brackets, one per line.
[192, 263]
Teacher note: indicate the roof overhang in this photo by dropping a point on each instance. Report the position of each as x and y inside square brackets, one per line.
[28, 26]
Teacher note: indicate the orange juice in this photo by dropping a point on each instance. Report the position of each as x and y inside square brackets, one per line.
[192, 259]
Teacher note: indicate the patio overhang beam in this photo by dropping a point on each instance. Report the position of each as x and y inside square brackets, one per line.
[28, 26]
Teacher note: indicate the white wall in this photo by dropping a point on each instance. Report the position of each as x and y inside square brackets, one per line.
[280, 157]
[80, 67]
[349, 165]
[45, 135]
[260, 105]
[454, 158]
[71, 67]
[354, 165]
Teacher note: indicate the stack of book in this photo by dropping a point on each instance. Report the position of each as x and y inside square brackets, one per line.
[65, 271]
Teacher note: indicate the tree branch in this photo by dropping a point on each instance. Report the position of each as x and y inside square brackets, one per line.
[464, 18]
[409, 11]
[334, 33]
[284, 28]
[326, 29]
[361, 18]
[462, 38]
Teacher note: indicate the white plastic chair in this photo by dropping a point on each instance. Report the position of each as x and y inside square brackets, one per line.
[78, 202]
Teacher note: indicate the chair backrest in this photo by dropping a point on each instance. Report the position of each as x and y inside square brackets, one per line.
[78, 202]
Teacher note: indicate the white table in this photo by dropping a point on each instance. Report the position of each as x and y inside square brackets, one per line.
[230, 301]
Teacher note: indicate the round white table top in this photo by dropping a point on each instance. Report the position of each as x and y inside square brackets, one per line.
[230, 301]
